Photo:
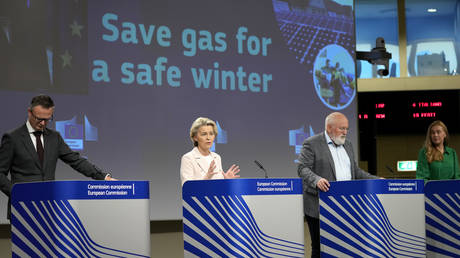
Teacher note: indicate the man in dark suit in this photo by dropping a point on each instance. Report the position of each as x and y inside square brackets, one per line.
[326, 157]
[30, 152]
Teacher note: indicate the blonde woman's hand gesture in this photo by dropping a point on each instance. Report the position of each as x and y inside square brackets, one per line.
[232, 172]
[211, 171]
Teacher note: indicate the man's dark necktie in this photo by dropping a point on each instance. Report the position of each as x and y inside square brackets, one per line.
[40, 150]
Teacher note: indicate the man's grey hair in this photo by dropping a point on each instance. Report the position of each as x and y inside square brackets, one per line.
[331, 118]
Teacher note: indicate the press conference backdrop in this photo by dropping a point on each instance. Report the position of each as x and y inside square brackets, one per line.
[129, 77]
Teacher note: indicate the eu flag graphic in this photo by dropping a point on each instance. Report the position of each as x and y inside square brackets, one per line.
[44, 46]
[75, 134]
[297, 136]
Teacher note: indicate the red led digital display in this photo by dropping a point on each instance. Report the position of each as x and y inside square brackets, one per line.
[379, 109]
[413, 109]
[363, 116]
[427, 109]
[426, 104]
[424, 115]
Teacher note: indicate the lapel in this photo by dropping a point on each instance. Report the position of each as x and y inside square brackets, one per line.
[29, 146]
[329, 155]
[47, 146]
[200, 161]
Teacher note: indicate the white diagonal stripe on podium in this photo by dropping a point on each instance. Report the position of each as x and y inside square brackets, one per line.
[258, 249]
[344, 244]
[362, 228]
[278, 248]
[23, 238]
[87, 244]
[58, 228]
[40, 227]
[445, 214]
[196, 243]
[16, 250]
[243, 244]
[74, 232]
[446, 205]
[84, 236]
[299, 247]
[334, 252]
[343, 232]
[453, 200]
[440, 233]
[202, 220]
[442, 221]
[51, 229]
[391, 235]
[66, 227]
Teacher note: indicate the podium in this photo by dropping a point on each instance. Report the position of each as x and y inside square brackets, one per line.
[373, 218]
[80, 219]
[243, 218]
[442, 211]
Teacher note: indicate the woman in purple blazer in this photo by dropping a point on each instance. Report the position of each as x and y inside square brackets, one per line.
[200, 163]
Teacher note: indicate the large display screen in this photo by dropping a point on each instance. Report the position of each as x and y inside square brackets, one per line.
[129, 77]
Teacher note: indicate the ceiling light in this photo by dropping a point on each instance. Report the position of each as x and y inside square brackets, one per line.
[431, 10]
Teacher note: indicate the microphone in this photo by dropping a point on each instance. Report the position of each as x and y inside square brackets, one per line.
[390, 169]
[261, 167]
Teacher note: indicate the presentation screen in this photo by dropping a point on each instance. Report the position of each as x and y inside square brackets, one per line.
[128, 78]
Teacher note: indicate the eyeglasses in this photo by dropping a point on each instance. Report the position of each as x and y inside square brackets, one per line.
[46, 120]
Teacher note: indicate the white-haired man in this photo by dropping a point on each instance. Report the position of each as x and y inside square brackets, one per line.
[326, 157]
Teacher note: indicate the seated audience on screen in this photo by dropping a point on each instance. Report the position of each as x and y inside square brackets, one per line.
[436, 160]
[200, 163]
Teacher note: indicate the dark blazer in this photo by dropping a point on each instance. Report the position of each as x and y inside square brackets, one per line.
[315, 163]
[19, 158]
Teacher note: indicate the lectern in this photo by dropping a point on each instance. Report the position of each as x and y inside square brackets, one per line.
[373, 218]
[442, 211]
[243, 218]
[80, 219]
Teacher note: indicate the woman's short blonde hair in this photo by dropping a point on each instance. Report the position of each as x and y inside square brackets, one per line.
[199, 122]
